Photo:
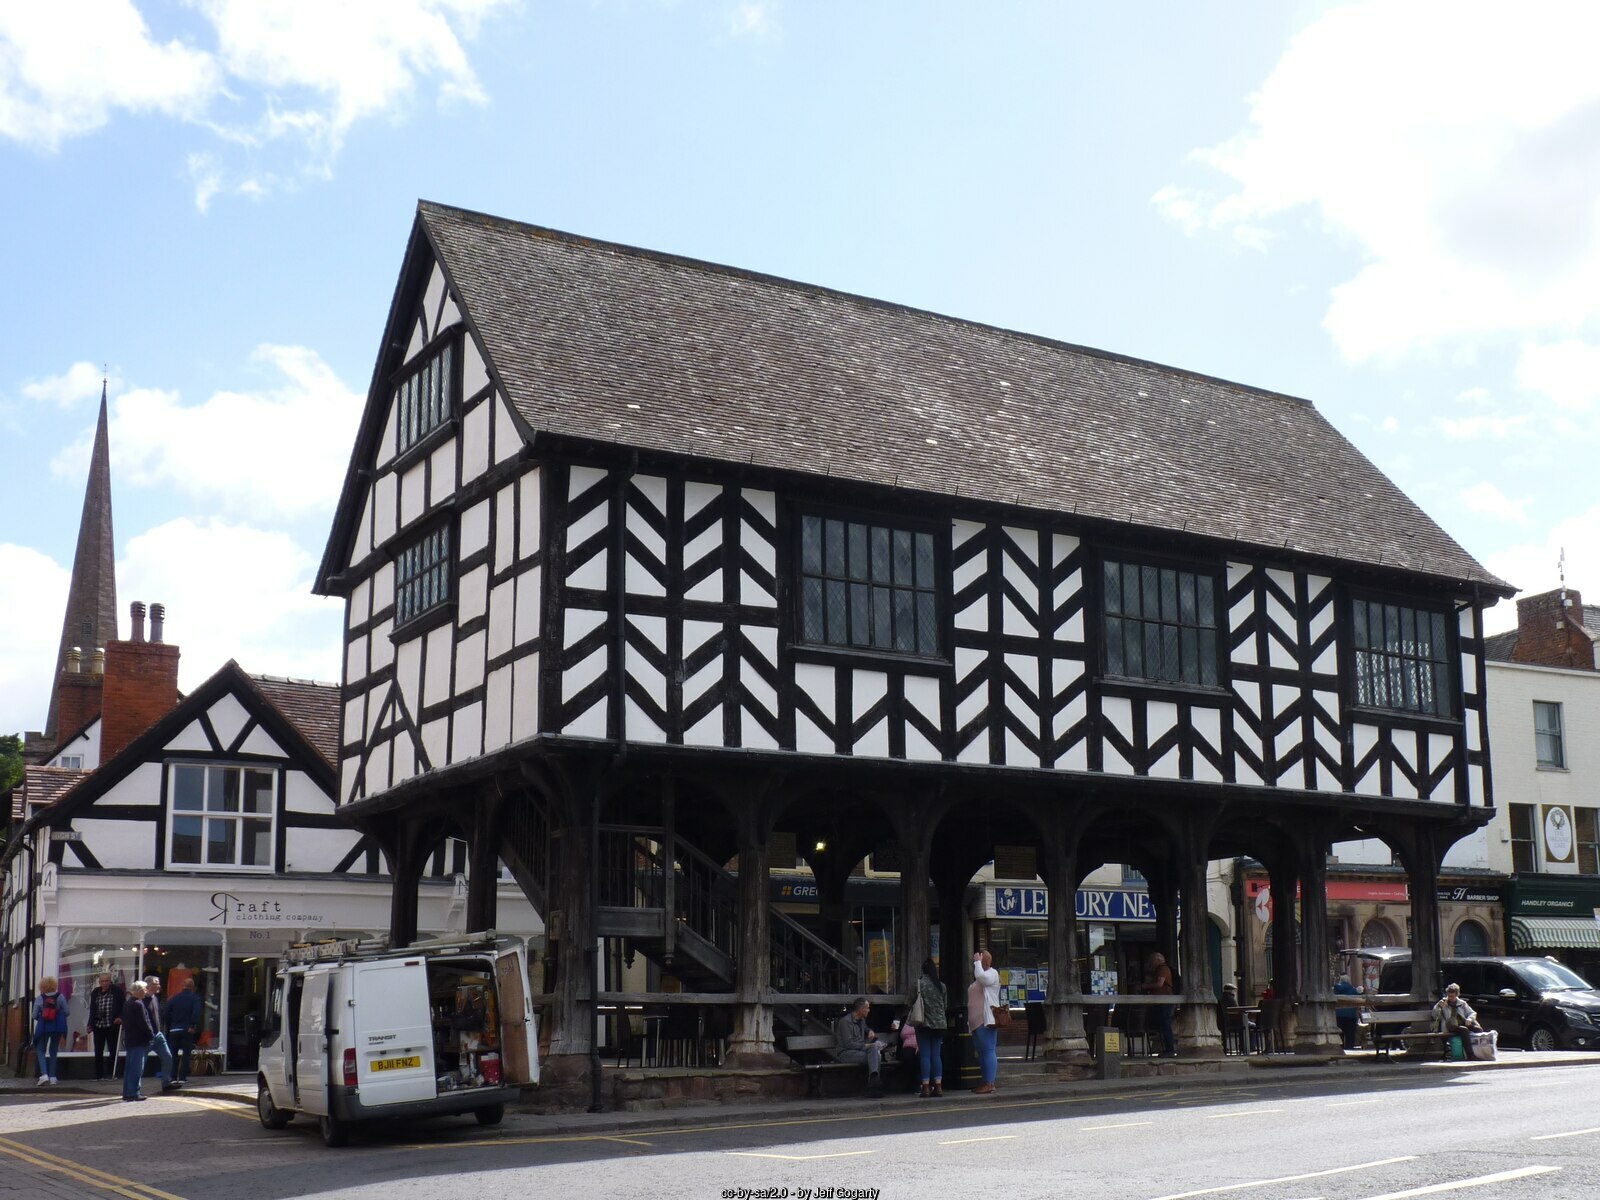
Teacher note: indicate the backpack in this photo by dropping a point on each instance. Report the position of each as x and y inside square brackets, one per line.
[48, 1011]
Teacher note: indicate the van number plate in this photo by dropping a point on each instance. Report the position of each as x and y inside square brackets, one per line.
[396, 1064]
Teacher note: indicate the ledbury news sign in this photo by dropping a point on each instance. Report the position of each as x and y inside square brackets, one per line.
[256, 909]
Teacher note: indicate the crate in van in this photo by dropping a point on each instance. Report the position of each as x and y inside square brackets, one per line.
[358, 1032]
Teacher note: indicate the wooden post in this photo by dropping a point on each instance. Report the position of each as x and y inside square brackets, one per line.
[483, 864]
[916, 914]
[1316, 1032]
[407, 857]
[751, 1045]
[570, 898]
[1198, 1034]
[1065, 1041]
[1422, 876]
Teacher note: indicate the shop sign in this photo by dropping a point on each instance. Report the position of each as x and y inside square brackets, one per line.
[797, 891]
[261, 908]
[1372, 891]
[1093, 904]
[1553, 898]
[1557, 833]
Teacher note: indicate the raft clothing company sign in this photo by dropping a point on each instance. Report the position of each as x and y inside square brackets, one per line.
[1096, 904]
[261, 909]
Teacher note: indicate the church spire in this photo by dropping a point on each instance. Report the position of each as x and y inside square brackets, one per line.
[91, 617]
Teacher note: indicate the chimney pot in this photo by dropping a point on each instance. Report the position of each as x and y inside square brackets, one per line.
[74, 661]
[137, 611]
[158, 620]
[97, 663]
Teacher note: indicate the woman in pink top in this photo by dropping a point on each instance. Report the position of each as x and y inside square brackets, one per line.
[982, 997]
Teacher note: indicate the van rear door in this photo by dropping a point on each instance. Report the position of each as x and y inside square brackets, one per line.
[311, 1044]
[392, 1032]
[519, 1040]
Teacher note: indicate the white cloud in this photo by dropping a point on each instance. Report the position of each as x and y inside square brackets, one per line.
[1534, 566]
[278, 85]
[279, 451]
[33, 597]
[1488, 500]
[753, 18]
[66, 69]
[80, 381]
[234, 591]
[1567, 371]
[1455, 145]
[1482, 426]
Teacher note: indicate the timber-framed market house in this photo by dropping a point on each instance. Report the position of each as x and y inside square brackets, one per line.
[659, 572]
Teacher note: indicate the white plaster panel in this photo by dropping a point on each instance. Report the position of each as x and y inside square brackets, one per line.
[469, 659]
[474, 372]
[639, 668]
[1166, 767]
[502, 617]
[302, 795]
[391, 434]
[120, 845]
[419, 338]
[378, 768]
[707, 731]
[580, 622]
[474, 529]
[1074, 758]
[753, 735]
[317, 849]
[472, 594]
[761, 693]
[442, 473]
[475, 441]
[1017, 753]
[919, 748]
[582, 673]
[349, 771]
[431, 297]
[190, 739]
[763, 642]
[525, 697]
[449, 314]
[355, 715]
[817, 682]
[528, 530]
[405, 758]
[753, 594]
[698, 633]
[1026, 668]
[1362, 740]
[808, 738]
[384, 501]
[638, 726]
[228, 718]
[1118, 713]
[497, 710]
[974, 616]
[142, 785]
[1069, 715]
[922, 693]
[260, 742]
[436, 665]
[436, 741]
[408, 673]
[359, 608]
[765, 503]
[363, 539]
[505, 528]
[866, 689]
[1012, 620]
[381, 645]
[1284, 579]
[1464, 622]
[507, 441]
[1204, 771]
[526, 622]
[466, 733]
[639, 580]
[874, 743]
[383, 588]
[1073, 629]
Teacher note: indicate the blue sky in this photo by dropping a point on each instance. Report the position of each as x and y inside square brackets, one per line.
[1388, 208]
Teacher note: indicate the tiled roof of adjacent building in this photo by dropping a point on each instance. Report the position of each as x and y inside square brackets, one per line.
[600, 341]
[41, 786]
[312, 708]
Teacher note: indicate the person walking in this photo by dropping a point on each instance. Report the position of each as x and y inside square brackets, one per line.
[982, 998]
[185, 1014]
[935, 1000]
[49, 1026]
[158, 1040]
[138, 1034]
[106, 1001]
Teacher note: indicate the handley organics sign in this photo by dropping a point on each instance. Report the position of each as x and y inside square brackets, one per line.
[261, 909]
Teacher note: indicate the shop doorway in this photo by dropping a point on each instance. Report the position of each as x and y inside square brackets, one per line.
[248, 981]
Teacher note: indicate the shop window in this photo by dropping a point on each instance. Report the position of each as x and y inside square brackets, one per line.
[221, 816]
[1401, 658]
[1523, 848]
[1588, 826]
[1549, 746]
[1160, 624]
[1471, 941]
[85, 954]
[183, 956]
[868, 587]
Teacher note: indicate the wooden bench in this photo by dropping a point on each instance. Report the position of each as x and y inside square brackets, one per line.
[1388, 1026]
[814, 1053]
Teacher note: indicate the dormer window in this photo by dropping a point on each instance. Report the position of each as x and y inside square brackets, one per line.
[426, 398]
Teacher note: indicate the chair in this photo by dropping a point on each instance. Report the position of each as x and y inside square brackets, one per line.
[630, 1045]
[1034, 1010]
[1135, 1037]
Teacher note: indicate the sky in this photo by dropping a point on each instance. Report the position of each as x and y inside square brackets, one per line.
[1390, 208]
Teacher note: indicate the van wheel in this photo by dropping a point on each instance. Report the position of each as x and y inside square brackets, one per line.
[271, 1116]
[492, 1115]
[334, 1131]
[1541, 1038]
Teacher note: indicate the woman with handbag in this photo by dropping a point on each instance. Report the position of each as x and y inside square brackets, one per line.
[930, 1017]
[983, 998]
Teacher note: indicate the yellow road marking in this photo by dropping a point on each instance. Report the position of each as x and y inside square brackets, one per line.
[1005, 1137]
[1546, 1137]
[629, 1141]
[221, 1106]
[800, 1157]
[1255, 1183]
[83, 1173]
[1123, 1125]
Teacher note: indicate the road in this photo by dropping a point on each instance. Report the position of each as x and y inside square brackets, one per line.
[1493, 1135]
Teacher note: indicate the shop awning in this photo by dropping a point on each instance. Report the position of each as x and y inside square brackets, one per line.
[1555, 933]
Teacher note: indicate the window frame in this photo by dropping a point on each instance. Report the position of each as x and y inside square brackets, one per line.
[938, 590]
[1557, 737]
[449, 408]
[1447, 658]
[207, 815]
[1530, 842]
[445, 606]
[1141, 562]
[1586, 842]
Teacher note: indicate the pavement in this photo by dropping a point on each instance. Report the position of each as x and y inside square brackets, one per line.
[1020, 1080]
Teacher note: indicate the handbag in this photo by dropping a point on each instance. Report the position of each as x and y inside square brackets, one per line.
[1002, 1014]
[918, 1014]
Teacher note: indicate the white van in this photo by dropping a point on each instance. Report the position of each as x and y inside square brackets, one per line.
[356, 1032]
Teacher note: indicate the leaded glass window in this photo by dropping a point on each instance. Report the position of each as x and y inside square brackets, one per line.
[1160, 624]
[422, 575]
[1401, 658]
[426, 397]
[869, 587]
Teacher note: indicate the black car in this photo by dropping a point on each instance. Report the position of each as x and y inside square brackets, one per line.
[1536, 1002]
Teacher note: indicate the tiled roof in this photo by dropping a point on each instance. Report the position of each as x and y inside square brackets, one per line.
[600, 341]
[312, 708]
[1499, 647]
[41, 786]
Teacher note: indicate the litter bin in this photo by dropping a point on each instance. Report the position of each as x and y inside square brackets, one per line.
[961, 1068]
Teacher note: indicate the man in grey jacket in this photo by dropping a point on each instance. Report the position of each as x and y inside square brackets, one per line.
[855, 1043]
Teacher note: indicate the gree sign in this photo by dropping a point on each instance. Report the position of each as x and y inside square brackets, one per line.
[1093, 904]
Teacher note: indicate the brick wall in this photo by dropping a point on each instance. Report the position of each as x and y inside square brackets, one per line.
[1552, 636]
[141, 687]
[77, 701]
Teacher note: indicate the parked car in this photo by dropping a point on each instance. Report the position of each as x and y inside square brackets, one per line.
[1536, 1002]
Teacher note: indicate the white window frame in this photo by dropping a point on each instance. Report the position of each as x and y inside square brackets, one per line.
[1553, 736]
[207, 815]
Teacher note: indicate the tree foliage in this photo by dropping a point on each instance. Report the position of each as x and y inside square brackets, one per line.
[10, 761]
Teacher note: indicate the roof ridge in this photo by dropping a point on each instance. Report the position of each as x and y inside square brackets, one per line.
[821, 289]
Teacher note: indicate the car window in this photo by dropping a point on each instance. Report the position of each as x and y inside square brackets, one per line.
[1498, 977]
[1468, 974]
[1549, 977]
[1396, 978]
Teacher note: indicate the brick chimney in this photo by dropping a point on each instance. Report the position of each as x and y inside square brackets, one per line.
[1551, 633]
[78, 691]
[141, 686]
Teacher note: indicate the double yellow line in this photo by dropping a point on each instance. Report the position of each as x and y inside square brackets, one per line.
[83, 1174]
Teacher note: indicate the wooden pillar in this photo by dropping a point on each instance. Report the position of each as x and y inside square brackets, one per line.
[1065, 1041]
[1422, 877]
[573, 930]
[1198, 1035]
[1316, 1032]
[751, 1044]
[406, 849]
[916, 913]
[483, 864]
